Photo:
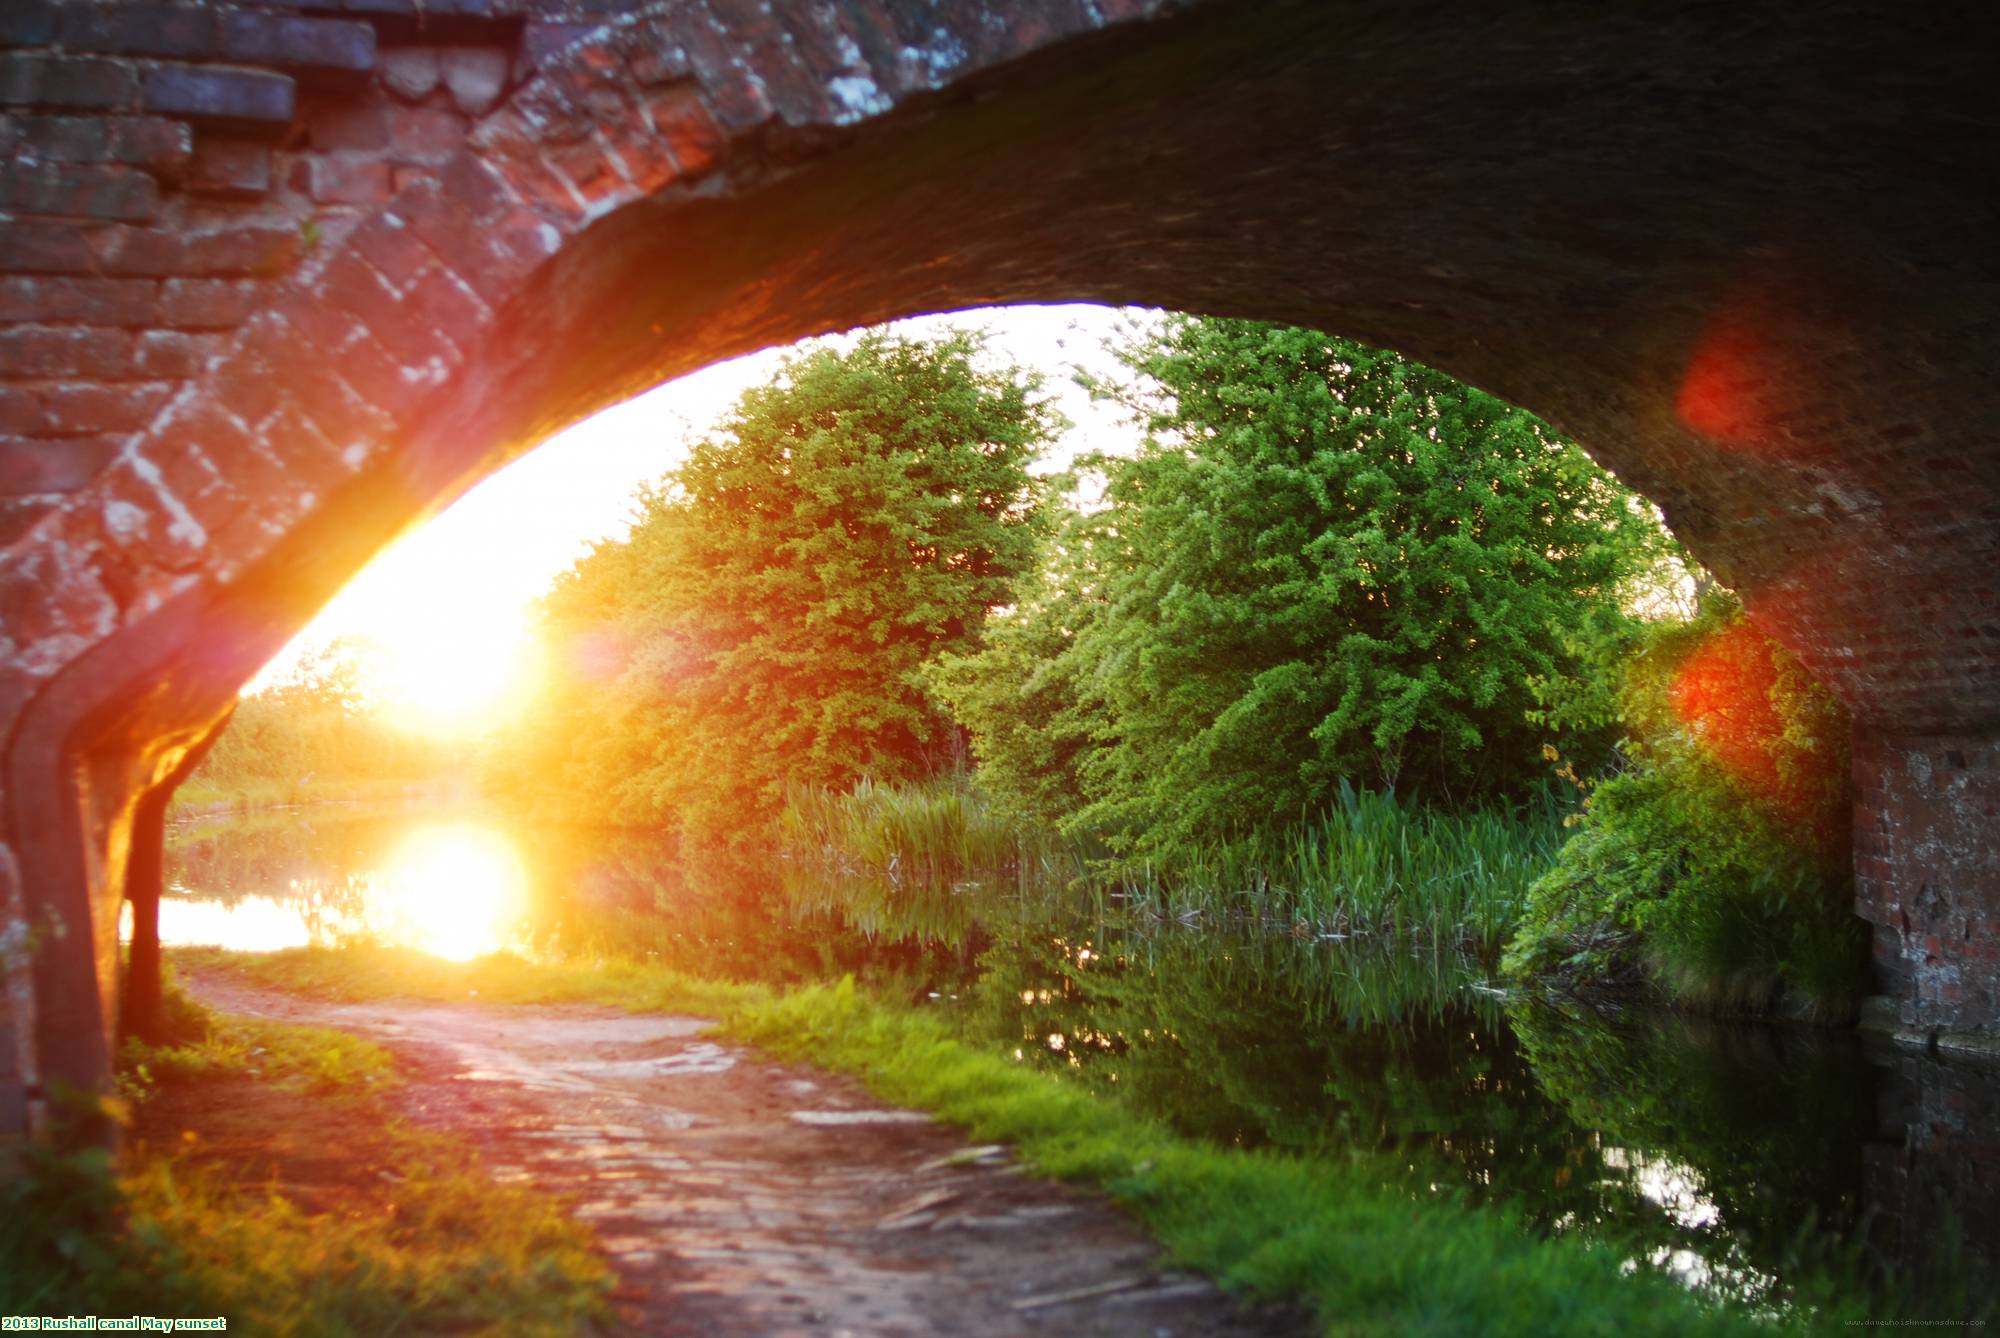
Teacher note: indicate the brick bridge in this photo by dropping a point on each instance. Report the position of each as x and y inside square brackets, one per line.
[277, 281]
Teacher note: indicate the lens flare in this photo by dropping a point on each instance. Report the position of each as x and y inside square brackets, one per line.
[456, 892]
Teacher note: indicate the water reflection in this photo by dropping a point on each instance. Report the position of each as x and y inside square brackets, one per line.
[1743, 1159]
[455, 889]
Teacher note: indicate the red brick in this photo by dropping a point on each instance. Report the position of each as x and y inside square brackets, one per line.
[345, 123]
[445, 302]
[426, 134]
[255, 250]
[27, 351]
[185, 451]
[476, 188]
[46, 246]
[654, 55]
[23, 412]
[436, 219]
[737, 97]
[345, 179]
[501, 257]
[392, 248]
[28, 466]
[395, 379]
[681, 119]
[244, 386]
[593, 171]
[81, 300]
[512, 148]
[259, 249]
[309, 455]
[154, 143]
[325, 329]
[207, 304]
[76, 409]
[172, 354]
[323, 394]
[78, 190]
[230, 168]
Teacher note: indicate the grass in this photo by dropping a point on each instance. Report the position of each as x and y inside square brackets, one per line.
[1376, 1249]
[369, 971]
[267, 1179]
[1368, 865]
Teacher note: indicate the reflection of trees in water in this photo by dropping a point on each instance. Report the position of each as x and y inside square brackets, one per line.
[1775, 1126]
[1665, 1137]
[629, 894]
[325, 865]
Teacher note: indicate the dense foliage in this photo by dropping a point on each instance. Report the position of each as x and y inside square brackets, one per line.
[1327, 563]
[1717, 864]
[768, 618]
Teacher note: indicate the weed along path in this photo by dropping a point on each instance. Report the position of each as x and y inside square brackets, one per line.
[734, 1195]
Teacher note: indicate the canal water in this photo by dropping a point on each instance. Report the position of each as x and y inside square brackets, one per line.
[1745, 1159]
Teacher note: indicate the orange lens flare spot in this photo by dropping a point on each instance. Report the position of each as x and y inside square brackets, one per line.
[1722, 694]
[1752, 381]
[1722, 393]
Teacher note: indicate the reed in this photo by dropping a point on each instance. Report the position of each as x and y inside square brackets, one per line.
[1369, 865]
[938, 834]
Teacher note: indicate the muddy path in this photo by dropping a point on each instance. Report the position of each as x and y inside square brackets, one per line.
[739, 1196]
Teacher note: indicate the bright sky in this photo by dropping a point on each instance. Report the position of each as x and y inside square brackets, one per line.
[448, 604]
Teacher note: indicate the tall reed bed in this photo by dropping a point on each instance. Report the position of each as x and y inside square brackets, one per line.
[1369, 865]
[937, 834]
[1373, 865]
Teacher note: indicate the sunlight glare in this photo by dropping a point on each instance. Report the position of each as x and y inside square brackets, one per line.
[457, 677]
[456, 892]
[247, 924]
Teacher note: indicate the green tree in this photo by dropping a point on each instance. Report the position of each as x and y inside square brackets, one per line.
[767, 621]
[1327, 561]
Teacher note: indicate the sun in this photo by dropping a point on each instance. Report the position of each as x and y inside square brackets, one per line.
[456, 677]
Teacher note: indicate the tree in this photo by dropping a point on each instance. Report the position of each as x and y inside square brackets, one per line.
[1327, 561]
[767, 620]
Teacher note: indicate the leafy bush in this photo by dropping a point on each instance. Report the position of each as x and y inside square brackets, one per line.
[1716, 866]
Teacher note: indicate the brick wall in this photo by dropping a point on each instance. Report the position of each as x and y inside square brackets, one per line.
[1926, 871]
[161, 165]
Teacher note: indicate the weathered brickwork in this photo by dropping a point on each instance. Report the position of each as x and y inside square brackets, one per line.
[276, 280]
[1926, 866]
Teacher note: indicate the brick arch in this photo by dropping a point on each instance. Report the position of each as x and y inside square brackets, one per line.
[1715, 247]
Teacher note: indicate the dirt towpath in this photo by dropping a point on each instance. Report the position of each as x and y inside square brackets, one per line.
[739, 1196]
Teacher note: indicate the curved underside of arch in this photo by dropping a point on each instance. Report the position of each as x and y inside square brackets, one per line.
[1745, 259]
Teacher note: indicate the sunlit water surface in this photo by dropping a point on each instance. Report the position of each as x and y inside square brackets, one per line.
[1741, 1158]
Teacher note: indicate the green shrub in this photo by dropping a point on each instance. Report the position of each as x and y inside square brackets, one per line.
[1716, 866]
